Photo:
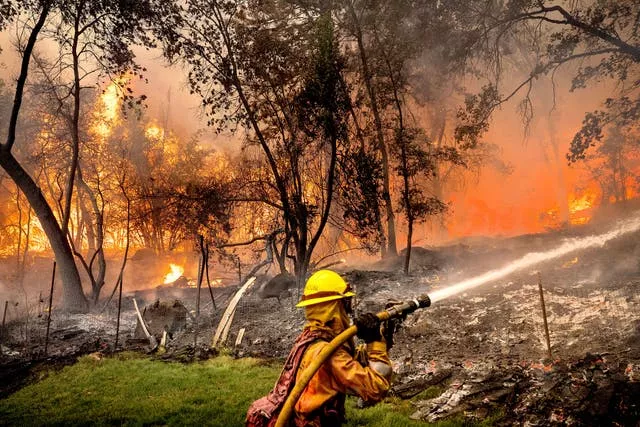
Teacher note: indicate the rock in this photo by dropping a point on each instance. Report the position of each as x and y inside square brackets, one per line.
[163, 315]
[180, 282]
[277, 287]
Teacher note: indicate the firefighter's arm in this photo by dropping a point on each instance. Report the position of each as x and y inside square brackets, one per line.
[378, 358]
[371, 382]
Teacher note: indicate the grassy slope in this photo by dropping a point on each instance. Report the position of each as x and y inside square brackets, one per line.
[128, 390]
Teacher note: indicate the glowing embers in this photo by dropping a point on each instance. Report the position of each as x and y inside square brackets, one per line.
[175, 273]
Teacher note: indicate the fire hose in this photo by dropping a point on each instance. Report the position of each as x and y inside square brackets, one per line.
[395, 311]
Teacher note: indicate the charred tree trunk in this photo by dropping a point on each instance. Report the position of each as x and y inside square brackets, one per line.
[74, 124]
[120, 279]
[404, 171]
[27, 239]
[281, 255]
[407, 201]
[623, 174]
[19, 269]
[97, 279]
[392, 249]
[404, 164]
[74, 298]
[79, 229]
[440, 174]
[382, 238]
[91, 237]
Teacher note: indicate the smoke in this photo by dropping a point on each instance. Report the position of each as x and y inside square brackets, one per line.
[532, 197]
[531, 134]
[168, 98]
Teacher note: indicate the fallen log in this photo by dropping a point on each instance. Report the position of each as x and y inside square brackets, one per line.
[222, 331]
[415, 387]
[151, 338]
[239, 337]
[227, 318]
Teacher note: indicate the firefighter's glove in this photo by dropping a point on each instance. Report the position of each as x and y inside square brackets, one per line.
[389, 327]
[393, 303]
[368, 326]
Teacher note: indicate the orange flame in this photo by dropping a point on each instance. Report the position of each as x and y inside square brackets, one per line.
[174, 274]
[154, 132]
[581, 204]
[580, 208]
[107, 108]
[570, 263]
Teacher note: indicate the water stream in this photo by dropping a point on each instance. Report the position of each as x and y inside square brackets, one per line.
[570, 245]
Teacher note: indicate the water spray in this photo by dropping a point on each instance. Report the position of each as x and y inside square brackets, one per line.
[533, 258]
[423, 301]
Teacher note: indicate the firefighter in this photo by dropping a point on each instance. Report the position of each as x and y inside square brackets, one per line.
[327, 303]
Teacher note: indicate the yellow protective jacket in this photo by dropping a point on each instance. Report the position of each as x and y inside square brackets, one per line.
[322, 401]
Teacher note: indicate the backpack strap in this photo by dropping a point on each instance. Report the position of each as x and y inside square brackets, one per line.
[286, 381]
[264, 411]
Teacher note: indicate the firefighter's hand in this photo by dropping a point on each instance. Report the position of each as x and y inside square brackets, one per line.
[368, 326]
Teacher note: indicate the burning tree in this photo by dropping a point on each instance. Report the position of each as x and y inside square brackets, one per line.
[248, 61]
[416, 161]
[93, 39]
[405, 80]
[611, 164]
[600, 38]
[358, 21]
[242, 63]
[74, 298]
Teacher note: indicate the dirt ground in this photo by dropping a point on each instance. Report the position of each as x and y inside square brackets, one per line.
[485, 350]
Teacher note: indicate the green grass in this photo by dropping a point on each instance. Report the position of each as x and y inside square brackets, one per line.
[129, 390]
[395, 412]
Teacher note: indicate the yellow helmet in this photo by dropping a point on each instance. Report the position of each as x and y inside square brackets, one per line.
[322, 286]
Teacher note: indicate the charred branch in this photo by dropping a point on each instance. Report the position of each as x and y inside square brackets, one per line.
[22, 77]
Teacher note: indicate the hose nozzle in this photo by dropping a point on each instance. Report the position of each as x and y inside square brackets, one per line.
[407, 307]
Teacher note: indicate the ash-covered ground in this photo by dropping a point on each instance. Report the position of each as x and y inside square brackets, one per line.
[486, 350]
[483, 350]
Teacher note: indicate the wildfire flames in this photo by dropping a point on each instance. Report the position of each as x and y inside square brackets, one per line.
[154, 132]
[585, 202]
[107, 108]
[174, 274]
[530, 199]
